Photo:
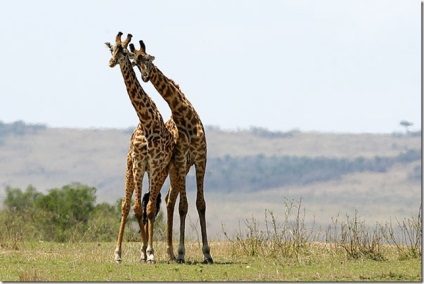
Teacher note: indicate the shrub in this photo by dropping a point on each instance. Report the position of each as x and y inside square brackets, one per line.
[286, 238]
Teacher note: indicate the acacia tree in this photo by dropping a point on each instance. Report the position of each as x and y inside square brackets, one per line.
[406, 124]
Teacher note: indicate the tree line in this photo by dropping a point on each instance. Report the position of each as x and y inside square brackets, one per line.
[251, 173]
[19, 128]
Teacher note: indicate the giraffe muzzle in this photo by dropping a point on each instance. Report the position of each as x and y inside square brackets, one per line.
[112, 62]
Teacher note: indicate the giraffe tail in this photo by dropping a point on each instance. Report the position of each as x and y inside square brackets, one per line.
[144, 202]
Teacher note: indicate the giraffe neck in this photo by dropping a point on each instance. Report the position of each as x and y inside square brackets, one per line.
[144, 106]
[180, 107]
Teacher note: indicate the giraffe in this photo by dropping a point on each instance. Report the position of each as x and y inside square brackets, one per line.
[151, 148]
[190, 149]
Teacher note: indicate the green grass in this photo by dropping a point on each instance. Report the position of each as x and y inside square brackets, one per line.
[43, 261]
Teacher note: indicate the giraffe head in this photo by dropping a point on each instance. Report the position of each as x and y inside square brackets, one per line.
[142, 60]
[119, 50]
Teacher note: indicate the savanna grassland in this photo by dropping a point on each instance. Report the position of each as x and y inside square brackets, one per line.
[46, 261]
[281, 206]
[277, 248]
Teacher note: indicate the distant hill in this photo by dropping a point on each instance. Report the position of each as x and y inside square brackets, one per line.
[241, 164]
[51, 157]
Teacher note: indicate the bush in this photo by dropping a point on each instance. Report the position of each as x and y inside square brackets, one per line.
[286, 238]
[406, 235]
[356, 238]
[66, 214]
[351, 238]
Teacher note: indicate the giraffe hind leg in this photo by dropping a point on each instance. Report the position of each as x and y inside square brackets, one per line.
[201, 209]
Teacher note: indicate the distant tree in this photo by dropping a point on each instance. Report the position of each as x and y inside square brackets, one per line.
[20, 214]
[71, 203]
[21, 201]
[67, 210]
[406, 124]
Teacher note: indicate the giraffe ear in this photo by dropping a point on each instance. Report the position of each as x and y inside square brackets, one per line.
[108, 45]
[142, 46]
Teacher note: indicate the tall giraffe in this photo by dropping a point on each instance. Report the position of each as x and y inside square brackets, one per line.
[150, 151]
[190, 150]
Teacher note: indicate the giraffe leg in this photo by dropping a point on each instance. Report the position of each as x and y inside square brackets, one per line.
[183, 209]
[201, 209]
[138, 212]
[156, 183]
[171, 197]
[125, 208]
[177, 173]
[181, 169]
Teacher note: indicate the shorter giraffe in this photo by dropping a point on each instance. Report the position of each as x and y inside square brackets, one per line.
[151, 148]
[190, 149]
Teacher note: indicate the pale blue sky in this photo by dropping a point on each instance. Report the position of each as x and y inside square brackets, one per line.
[344, 66]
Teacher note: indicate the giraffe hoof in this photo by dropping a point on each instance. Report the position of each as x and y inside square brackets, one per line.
[180, 261]
[208, 260]
[117, 255]
[118, 258]
[150, 261]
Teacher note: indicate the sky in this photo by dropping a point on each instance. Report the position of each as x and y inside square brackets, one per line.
[329, 66]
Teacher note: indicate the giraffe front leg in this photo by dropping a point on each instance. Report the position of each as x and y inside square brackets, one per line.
[171, 198]
[138, 210]
[170, 205]
[150, 252]
[143, 256]
[183, 208]
[156, 183]
[144, 228]
[125, 207]
[138, 173]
